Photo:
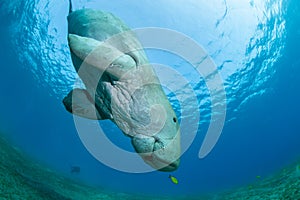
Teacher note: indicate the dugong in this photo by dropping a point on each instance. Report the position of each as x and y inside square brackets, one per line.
[121, 86]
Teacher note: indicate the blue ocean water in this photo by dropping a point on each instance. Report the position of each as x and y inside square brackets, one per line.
[253, 43]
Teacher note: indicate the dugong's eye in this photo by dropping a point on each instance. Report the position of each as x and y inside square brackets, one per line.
[174, 119]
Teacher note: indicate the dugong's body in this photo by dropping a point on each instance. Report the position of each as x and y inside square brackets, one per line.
[121, 86]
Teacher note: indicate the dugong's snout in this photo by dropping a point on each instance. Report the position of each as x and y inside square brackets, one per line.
[161, 153]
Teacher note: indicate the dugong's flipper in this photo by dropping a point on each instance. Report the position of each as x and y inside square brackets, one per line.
[101, 55]
[101, 58]
[80, 103]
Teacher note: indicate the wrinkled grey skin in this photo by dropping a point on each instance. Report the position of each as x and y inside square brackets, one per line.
[121, 86]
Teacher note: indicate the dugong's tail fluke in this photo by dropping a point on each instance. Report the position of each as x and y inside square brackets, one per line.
[70, 6]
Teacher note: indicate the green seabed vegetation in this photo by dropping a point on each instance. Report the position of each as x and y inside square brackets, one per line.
[21, 178]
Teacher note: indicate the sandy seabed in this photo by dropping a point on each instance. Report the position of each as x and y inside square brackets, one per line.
[21, 178]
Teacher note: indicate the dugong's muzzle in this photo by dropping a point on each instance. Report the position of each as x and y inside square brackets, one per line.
[160, 153]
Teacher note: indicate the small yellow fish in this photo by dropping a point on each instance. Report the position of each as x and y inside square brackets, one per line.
[257, 177]
[173, 179]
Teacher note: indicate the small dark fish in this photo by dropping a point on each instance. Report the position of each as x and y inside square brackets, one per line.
[75, 169]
